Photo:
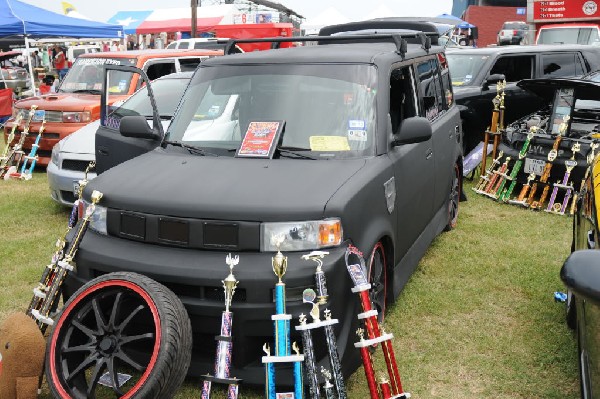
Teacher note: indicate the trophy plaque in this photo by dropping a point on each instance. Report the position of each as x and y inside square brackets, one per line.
[375, 335]
[224, 341]
[281, 322]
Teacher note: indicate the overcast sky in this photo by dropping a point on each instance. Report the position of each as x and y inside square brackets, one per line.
[353, 9]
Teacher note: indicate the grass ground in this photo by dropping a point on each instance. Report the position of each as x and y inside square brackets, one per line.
[476, 320]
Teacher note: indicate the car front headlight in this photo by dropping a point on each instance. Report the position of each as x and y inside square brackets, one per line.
[301, 236]
[98, 219]
[76, 117]
[55, 154]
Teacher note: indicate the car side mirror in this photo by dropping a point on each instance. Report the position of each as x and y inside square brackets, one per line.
[493, 79]
[413, 130]
[581, 272]
[137, 127]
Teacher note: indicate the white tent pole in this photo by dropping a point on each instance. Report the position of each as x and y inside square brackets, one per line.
[29, 66]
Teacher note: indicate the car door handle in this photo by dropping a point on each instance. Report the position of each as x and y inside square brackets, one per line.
[428, 154]
[102, 151]
[590, 240]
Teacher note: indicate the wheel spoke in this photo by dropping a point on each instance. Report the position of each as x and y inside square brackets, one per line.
[115, 310]
[124, 357]
[91, 358]
[128, 339]
[98, 314]
[89, 347]
[131, 316]
[114, 376]
[87, 331]
[100, 363]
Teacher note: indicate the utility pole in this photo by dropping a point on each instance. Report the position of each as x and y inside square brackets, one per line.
[194, 17]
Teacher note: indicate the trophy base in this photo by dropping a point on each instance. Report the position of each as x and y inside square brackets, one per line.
[226, 381]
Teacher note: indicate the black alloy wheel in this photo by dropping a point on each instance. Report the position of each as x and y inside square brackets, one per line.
[378, 280]
[454, 199]
[120, 335]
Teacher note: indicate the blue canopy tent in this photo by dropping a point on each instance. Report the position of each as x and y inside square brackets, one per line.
[27, 21]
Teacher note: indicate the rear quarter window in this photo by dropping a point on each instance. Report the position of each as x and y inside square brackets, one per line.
[564, 64]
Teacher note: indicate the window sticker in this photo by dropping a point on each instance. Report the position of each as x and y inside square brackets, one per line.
[214, 110]
[357, 124]
[122, 85]
[329, 143]
[260, 139]
[348, 98]
[357, 135]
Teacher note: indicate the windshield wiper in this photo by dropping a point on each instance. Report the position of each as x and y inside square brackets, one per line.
[191, 148]
[90, 91]
[294, 152]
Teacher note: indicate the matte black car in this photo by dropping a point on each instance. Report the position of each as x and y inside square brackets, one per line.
[579, 101]
[475, 73]
[369, 155]
[581, 275]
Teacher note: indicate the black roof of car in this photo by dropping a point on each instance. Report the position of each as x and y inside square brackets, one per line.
[538, 48]
[545, 88]
[329, 53]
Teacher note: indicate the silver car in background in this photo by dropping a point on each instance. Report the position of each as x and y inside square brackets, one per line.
[72, 155]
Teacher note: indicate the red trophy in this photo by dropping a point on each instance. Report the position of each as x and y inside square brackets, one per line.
[390, 387]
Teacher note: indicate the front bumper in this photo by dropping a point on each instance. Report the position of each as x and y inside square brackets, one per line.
[61, 181]
[196, 277]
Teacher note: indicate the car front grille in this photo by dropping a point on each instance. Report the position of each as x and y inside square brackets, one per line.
[51, 116]
[76, 165]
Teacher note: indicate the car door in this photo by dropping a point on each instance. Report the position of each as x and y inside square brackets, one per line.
[435, 94]
[112, 148]
[413, 163]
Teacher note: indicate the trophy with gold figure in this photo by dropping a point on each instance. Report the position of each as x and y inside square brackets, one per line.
[532, 203]
[224, 341]
[316, 300]
[281, 322]
[390, 387]
[570, 164]
[493, 128]
[10, 163]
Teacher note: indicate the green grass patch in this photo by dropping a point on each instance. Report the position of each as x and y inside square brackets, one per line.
[476, 320]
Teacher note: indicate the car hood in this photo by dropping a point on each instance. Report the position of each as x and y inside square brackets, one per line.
[223, 188]
[545, 88]
[81, 141]
[64, 102]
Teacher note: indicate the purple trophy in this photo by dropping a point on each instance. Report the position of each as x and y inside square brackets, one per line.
[224, 341]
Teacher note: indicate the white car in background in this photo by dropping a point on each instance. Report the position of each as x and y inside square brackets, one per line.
[72, 155]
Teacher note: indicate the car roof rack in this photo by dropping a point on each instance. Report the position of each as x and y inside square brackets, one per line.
[399, 39]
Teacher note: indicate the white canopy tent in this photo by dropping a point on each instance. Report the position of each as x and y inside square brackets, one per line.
[329, 16]
[383, 11]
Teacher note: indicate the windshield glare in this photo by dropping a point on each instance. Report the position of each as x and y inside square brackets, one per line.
[86, 75]
[327, 109]
[464, 67]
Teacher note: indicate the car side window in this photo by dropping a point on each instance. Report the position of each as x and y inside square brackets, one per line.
[189, 64]
[159, 69]
[447, 95]
[514, 68]
[184, 45]
[430, 88]
[403, 102]
[563, 64]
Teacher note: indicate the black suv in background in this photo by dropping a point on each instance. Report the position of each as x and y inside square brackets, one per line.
[475, 73]
[369, 155]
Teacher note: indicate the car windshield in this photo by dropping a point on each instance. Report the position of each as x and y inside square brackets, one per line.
[167, 93]
[569, 36]
[464, 67]
[327, 109]
[86, 76]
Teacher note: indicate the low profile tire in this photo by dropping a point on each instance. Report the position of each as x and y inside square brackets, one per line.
[378, 280]
[454, 199]
[571, 310]
[119, 324]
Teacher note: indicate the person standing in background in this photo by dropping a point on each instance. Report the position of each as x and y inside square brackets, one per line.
[60, 62]
[45, 59]
[105, 47]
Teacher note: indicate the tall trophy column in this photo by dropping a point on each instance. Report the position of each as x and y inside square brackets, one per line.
[390, 387]
[281, 321]
[224, 341]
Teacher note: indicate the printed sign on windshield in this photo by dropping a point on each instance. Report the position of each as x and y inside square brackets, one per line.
[261, 139]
